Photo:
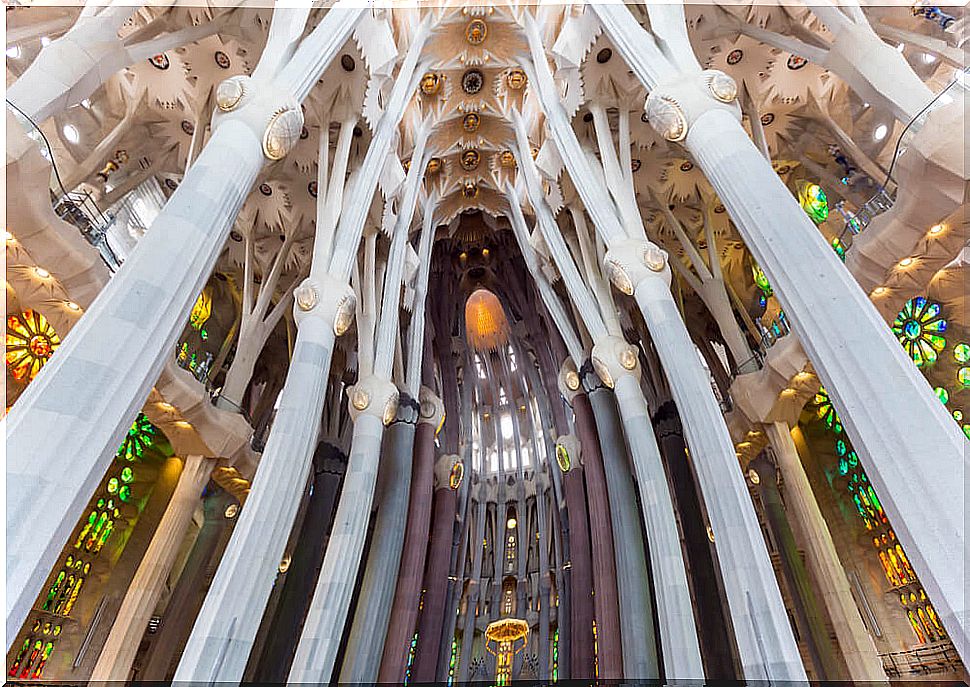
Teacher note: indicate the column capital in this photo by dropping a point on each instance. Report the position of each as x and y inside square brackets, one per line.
[614, 358]
[674, 105]
[449, 471]
[373, 396]
[431, 408]
[569, 453]
[569, 380]
[326, 298]
[408, 409]
[274, 115]
[630, 262]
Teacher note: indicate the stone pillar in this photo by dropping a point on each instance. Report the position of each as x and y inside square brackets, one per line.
[605, 599]
[372, 613]
[713, 629]
[855, 642]
[880, 394]
[766, 644]
[224, 633]
[618, 366]
[329, 466]
[118, 653]
[373, 403]
[630, 563]
[83, 402]
[580, 562]
[436, 578]
[182, 607]
[404, 613]
[805, 606]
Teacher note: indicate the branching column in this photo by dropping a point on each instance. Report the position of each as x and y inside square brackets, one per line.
[83, 402]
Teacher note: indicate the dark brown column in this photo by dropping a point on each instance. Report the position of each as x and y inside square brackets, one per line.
[580, 578]
[404, 612]
[435, 585]
[605, 600]
[714, 631]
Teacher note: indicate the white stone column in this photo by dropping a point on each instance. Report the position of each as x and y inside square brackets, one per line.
[65, 428]
[616, 362]
[764, 637]
[855, 642]
[373, 402]
[225, 630]
[905, 438]
[118, 653]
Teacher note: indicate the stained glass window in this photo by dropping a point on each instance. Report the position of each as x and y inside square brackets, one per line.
[919, 327]
[31, 340]
[813, 201]
[453, 662]
[826, 411]
[139, 437]
[555, 656]
[35, 652]
[411, 649]
[961, 353]
[760, 279]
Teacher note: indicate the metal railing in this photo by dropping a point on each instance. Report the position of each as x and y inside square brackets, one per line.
[81, 210]
[939, 657]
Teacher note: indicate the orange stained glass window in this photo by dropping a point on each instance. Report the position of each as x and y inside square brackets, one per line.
[31, 340]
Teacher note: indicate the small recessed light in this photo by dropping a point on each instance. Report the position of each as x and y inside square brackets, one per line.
[45, 41]
[167, 407]
[879, 290]
[906, 262]
[929, 58]
[41, 272]
[8, 236]
[937, 229]
[880, 132]
[182, 424]
[788, 392]
[13, 52]
[71, 305]
[71, 133]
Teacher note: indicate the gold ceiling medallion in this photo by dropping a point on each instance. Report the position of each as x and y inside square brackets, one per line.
[470, 122]
[517, 79]
[434, 165]
[470, 159]
[476, 32]
[507, 159]
[430, 83]
[469, 189]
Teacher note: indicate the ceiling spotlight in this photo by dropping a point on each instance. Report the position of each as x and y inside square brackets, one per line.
[71, 133]
[928, 58]
[906, 262]
[41, 272]
[71, 305]
[880, 132]
[45, 41]
[937, 229]
[879, 290]
[511, 523]
[13, 52]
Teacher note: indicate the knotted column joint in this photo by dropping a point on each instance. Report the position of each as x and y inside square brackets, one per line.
[431, 409]
[374, 396]
[327, 299]
[273, 115]
[673, 106]
[613, 358]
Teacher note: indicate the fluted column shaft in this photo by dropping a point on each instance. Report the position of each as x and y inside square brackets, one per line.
[365, 646]
[605, 599]
[880, 394]
[432, 618]
[317, 650]
[632, 579]
[186, 597]
[766, 644]
[219, 646]
[855, 642]
[404, 614]
[146, 587]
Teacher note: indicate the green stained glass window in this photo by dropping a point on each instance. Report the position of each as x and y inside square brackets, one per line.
[113, 485]
[942, 394]
[124, 493]
[840, 447]
[813, 201]
[826, 411]
[127, 475]
[139, 438]
[760, 279]
[919, 327]
[958, 415]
